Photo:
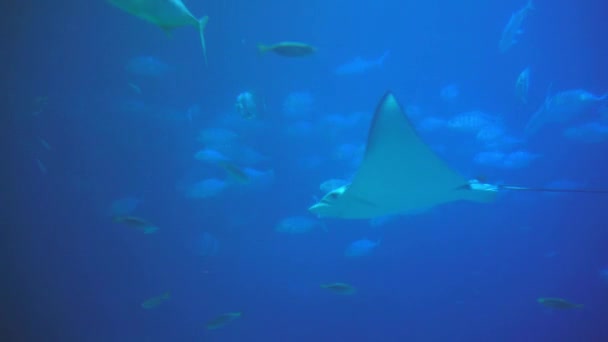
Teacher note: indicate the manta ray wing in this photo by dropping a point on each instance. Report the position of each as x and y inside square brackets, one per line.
[399, 172]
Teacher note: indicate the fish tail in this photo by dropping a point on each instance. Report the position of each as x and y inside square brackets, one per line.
[202, 23]
[167, 295]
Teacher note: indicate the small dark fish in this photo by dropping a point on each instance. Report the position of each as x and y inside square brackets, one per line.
[522, 85]
[289, 49]
[155, 301]
[222, 320]
[558, 303]
[234, 171]
[136, 222]
[341, 288]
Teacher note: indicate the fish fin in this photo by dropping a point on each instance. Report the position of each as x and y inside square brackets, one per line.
[202, 23]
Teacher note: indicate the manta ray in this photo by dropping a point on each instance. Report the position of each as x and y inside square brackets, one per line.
[400, 174]
[167, 14]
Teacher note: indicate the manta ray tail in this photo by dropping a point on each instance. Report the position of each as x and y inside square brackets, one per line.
[202, 23]
[521, 188]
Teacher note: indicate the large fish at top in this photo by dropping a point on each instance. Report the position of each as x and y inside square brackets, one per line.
[166, 14]
[513, 29]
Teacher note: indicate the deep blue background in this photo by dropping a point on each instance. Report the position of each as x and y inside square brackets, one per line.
[465, 272]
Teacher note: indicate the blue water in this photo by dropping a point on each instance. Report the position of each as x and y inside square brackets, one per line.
[460, 272]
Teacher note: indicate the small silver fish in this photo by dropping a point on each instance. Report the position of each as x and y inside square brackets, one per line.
[513, 29]
[522, 85]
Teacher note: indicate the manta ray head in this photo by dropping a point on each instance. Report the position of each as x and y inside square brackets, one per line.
[331, 204]
[340, 203]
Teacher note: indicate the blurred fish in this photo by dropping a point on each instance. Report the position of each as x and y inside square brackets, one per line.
[472, 122]
[155, 301]
[247, 105]
[222, 320]
[289, 49]
[361, 248]
[522, 85]
[41, 167]
[360, 65]
[138, 223]
[45, 144]
[135, 88]
[40, 103]
[234, 171]
[558, 303]
[166, 14]
[298, 225]
[259, 179]
[210, 156]
[563, 107]
[513, 29]
[340, 288]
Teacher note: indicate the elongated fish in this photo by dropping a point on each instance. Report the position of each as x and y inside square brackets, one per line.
[360, 65]
[289, 49]
[166, 14]
[513, 29]
[222, 320]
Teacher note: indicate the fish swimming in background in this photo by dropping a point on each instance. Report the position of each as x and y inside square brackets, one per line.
[222, 320]
[153, 302]
[340, 288]
[41, 167]
[522, 85]
[45, 144]
[166, 14]
[558, 303]
[289, 49]
[514, 27]
[247, 105]
[138, 223]
[360, 65]
[234, 171]
[563, 107]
